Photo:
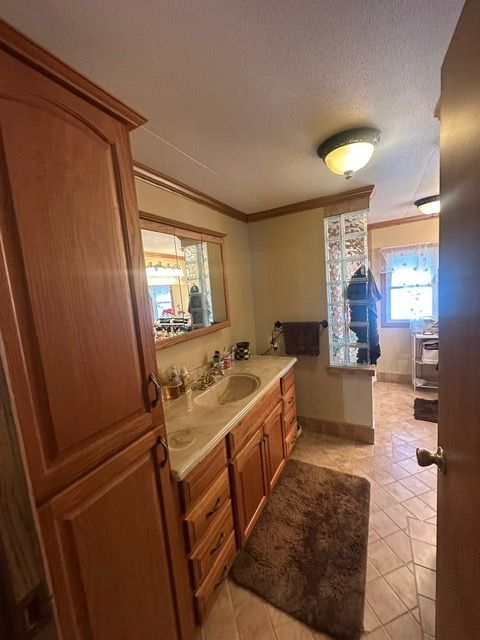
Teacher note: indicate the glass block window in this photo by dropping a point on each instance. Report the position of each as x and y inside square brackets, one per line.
[346, 254]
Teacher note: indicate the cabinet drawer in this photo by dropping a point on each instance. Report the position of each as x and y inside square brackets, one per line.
[288, 381]
[289, 400]
[206, 510]
[290, 440]
[253, 420]
[211, 545]
[290, 422]
[200, 479]
[207, 592]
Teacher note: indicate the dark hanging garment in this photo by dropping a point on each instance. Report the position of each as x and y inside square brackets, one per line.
[363, 295]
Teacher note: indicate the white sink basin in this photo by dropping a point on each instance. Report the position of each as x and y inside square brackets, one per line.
[232, 388]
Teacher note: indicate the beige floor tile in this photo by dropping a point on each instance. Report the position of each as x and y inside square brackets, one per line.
[384, 602]
[372, 572]
[277, 616]
[403, 583]
[410, 465]
[404, 628]
[427, 478]
[293, 631]
[380, 476]
[423, 531]
[253, 621]
[382, 524]
[427, 614]
[378, 634]
[374, 507]
[382, 497]
[426, 581]
[430, 497]
[382, 557]
[238, 594]
[370, 620]
[416, 614]
[399, 515]
[372, 535]
[424, 554]
[400, 543]
[221, 623]
[420, 509]
[433, 520]
[415, 485]
[397, 472]
[398, 491]
[405, 449]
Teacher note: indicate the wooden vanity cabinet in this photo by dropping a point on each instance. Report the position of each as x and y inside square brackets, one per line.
[275, 447]
[105, 539]
[210, 547]
[77, 348]
[256, 467]
[248, 472]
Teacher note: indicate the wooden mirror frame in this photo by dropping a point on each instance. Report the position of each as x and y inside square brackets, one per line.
[152, 222]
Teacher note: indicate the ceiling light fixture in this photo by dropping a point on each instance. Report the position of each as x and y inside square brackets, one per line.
[348, 151]
[429, 205]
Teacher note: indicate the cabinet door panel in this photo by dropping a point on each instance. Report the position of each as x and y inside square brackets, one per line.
[105, 545]
[250, 485]
[74, 320]
[275, 444]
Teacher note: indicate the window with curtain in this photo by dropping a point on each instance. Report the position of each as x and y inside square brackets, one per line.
[409, 277]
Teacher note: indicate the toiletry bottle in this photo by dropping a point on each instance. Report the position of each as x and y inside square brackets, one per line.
[216, 357]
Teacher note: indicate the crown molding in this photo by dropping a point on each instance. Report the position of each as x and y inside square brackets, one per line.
[314, 203]
[158, 179]
[398, 221]
[23, 48]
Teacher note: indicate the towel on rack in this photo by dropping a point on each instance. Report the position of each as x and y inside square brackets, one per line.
[302, 338]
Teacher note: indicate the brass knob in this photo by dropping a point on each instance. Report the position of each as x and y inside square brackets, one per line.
[426, 458]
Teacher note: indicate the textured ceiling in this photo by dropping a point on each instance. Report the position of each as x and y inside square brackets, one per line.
[239, 93]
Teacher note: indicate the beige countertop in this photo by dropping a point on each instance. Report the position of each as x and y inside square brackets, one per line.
[193, 430]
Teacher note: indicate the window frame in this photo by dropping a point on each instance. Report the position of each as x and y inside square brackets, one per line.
[385, 303]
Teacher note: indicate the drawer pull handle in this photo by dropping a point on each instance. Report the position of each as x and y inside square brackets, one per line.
[163, 443]
[156, 386]
[220, 542]
[222, 577]
[216, 507]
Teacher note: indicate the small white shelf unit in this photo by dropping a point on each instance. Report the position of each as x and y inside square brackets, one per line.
[424, 372]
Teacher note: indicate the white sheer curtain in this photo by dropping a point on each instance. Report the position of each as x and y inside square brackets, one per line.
[412, 259]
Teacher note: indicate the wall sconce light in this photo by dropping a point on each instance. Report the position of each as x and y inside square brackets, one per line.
[348, 151]
[429, 205]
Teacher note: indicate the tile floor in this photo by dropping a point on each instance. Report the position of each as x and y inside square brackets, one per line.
[400, 593]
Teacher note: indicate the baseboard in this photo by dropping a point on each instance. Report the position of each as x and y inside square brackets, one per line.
[345, 430]
[398, 378]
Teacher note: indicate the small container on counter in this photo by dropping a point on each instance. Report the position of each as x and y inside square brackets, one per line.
[242, 351]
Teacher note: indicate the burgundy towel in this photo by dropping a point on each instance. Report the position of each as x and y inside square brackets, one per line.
[302, 338]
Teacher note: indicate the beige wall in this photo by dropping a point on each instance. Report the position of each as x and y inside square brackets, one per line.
[288, 268]
[395, 343]
[237, 268]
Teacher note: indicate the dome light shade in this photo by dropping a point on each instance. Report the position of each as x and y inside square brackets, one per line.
[348, 151]
[429, 205]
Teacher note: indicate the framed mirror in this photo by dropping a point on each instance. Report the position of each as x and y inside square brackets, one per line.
[186, 280]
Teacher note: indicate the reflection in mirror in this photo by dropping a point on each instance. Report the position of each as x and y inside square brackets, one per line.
[185, 282]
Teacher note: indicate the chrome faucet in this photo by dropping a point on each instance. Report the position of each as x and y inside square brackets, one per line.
[208, 378]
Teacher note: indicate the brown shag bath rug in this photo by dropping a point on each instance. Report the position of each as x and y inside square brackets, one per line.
[425, 409]
[307, 554]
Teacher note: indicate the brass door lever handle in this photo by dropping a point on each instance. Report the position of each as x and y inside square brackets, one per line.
[426, 458]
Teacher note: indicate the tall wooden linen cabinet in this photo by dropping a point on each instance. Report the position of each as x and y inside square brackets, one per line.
[77, 348]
